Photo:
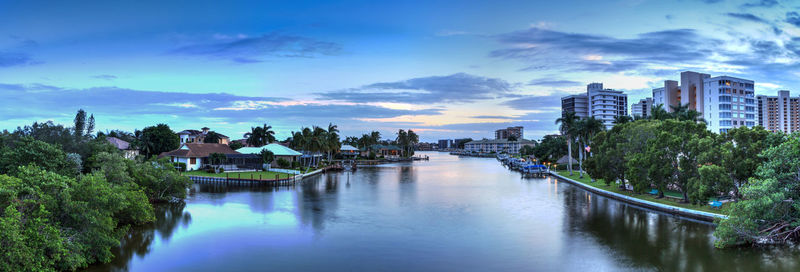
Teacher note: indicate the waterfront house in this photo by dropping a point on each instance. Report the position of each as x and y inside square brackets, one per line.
[348, 151]
[280, 152]
[497, 146]
[198, 136]
[195, 155]
[387, 151]
[127, 150]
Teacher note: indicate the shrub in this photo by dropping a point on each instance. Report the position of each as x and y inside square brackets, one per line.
[182, 166]
[283, 163]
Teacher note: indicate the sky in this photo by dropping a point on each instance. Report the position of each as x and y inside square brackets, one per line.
[446, 69]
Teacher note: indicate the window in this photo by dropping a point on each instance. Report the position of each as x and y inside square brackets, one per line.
[192, 161]
[724, 107]
[724, 115]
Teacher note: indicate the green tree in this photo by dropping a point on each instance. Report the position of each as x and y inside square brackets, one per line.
[212, 138]
[568, 128]
[217, 158]
[29, 151]
[235, 145]
[768, 211]
[267, 157]
[739, 154]
[260, 136]
[158, 139]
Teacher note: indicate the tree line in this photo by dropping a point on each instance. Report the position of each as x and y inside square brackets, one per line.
[67, 197]
[674, 151]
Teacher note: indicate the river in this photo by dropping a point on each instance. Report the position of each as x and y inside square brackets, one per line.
[446, 214]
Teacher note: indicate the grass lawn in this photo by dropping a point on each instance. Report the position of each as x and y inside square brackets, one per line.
[244, 175]
[667, 201]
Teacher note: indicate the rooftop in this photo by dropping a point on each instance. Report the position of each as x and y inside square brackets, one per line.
[276, 149]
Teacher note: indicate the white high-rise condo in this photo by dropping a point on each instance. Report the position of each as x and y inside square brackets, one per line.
[729, 103]
[605, 104]
[779, 113]
[690, 91]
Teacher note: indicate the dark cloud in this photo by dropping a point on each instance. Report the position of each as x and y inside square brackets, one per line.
[793, 18]
[553, 82]
[761, 4]
[251, 49]
[747, 16]
[8, 59]
[455, 88]
[549, 49]
[106, 77]
[542, 103]
[24, 101]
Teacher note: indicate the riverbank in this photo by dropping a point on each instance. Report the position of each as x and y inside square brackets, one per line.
[704, 213]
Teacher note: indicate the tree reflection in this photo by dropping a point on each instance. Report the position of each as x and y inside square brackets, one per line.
[139, 240]
[649, 240]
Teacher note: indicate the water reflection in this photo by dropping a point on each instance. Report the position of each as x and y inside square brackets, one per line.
[649, 240]
[137, 242]
[450, 213]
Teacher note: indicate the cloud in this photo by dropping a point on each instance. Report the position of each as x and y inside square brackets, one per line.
[549, 82]
[455, 88]
[245, 49]
[106, 77]
[549, 49]
[537, 102]
[761, 4]
[747, 16]
[793, 18]
[18, 101]
[9, 59]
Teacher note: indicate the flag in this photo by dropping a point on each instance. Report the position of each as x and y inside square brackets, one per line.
[588, 148]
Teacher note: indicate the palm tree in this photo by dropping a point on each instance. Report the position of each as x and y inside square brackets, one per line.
[587, 128]
[413, 139]
[659, 113]
[332, 140]
[260, 136]
[402, 140]
[622, 119]
[568, 122]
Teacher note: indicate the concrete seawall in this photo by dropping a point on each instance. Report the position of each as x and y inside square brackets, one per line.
[697, 215]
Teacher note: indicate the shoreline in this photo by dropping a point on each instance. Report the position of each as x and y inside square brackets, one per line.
[678, 211]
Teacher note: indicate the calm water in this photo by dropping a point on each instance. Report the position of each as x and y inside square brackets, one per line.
[449, 213]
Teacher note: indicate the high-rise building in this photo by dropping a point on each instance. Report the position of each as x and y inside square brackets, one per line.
[729, 102]
[445, 143]
[579, 104]
[643, 108]
[779, 113]
[692, 90]
[667, 96]
[605, 104]
[507, 132]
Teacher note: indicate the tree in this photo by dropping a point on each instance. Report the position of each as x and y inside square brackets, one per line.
[768, 211]
[28, 151]
[80, 124]
[459, 143]
[217, 158]
[212, 138]
[738, 154]
[568, 127]
[413, 140]
[332, 140]
[527, 150]
[659, 113]
[260, 136]
[512, 138]
[622, 119]
[551, 148]
[235, 145]
[267, 157]
[90, 126]
[585, 129]
[158, 139]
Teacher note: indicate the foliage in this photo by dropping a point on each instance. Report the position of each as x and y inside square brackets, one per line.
[267, 156]
[158, 179]
[53, 222]
[459, 143]
[406, 140]
[235, 145]
[158, 139]
[551, 148]
[283, 163]
[568, 127]
[527, 150]
[768, 211]
[217, 158]
[29, 151]
[212, 138]
[260, 136]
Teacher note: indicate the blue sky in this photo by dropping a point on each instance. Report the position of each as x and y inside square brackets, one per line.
[446, 69]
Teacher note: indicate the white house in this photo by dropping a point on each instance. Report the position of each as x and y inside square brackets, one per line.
[195, 155]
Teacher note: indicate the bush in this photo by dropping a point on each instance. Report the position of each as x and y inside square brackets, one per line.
[283, 163]
[222, 170]
[371, 155]
[181, 165]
